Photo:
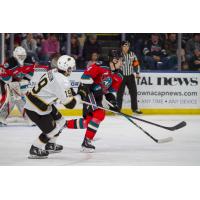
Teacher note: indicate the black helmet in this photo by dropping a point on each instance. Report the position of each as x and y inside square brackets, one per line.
[114, 53]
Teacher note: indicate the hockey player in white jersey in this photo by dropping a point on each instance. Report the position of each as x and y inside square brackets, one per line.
[52, 86]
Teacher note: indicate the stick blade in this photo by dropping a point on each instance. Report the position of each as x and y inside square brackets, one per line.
[178, 126]
[165, 140]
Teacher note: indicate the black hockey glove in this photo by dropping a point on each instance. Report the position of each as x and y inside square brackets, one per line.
[84, 90]
[114, 107]
[112, 100]
[73, 92]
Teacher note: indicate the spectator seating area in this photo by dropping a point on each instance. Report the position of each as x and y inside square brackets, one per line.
[155, 51]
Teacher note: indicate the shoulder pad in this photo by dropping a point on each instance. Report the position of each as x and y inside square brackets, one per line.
[86, 79]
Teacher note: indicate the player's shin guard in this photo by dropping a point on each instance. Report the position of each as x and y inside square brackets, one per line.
[93, 125]
[48, 140]
[76, 123]
[92, 128]
[60, 124]
[94, 122]
[51, 145]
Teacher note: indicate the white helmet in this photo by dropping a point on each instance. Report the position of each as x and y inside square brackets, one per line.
[20, 54]
[66, 63]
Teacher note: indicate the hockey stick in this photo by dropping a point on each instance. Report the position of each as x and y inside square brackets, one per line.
[164, 140]
[172, 128]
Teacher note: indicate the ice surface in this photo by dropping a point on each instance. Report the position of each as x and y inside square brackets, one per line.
[118, 142]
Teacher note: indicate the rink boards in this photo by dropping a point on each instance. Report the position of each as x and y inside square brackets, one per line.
[158, 93]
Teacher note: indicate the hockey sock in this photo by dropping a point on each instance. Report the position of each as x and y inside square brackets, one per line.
[41, 141]
[76, 123]
[38, 143]
[92, 128]
[53, 140]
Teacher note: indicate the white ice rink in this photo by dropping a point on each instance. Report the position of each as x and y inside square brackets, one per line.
[118, 142]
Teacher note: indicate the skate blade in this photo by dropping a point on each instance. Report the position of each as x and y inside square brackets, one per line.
[87, 150]
[52, 151]
[37, 157]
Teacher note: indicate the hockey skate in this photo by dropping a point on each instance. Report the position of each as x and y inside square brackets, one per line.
[37, 153]
[53, 147]
[87, 146]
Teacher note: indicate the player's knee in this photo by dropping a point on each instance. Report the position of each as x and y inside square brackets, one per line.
[86, 120]
[99, 114]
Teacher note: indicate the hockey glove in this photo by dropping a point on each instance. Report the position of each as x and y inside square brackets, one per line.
[84, 90]
[112, 102]
[114, 107]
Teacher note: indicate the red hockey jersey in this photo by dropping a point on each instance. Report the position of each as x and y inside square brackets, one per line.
[102, 76]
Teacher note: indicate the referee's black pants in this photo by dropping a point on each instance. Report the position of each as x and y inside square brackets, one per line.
[128, 81]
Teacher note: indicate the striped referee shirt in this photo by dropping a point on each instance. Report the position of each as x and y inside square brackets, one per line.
[130, 64]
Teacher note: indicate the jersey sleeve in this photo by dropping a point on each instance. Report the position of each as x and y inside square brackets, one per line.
[90, 73]
[5, 74]
[25, 72]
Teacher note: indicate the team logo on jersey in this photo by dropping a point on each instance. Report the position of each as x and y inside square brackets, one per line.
[89, 68]
[107, 81]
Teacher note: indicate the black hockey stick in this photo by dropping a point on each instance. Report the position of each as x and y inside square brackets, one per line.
[172, 128]
[164, 140]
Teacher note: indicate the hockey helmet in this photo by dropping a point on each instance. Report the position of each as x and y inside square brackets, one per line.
[66, 64]
[19, 54]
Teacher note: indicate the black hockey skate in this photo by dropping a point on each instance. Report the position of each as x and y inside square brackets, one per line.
[37, 153]
[87, 146]
[53, 147]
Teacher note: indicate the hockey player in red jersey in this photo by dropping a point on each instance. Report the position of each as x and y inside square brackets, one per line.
[96, 83]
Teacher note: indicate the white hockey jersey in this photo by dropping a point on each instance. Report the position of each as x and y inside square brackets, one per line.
[51, 86]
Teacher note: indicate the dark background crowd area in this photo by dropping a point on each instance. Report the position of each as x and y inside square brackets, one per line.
[155, 51]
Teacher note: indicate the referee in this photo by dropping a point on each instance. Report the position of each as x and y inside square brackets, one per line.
[130, 64]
